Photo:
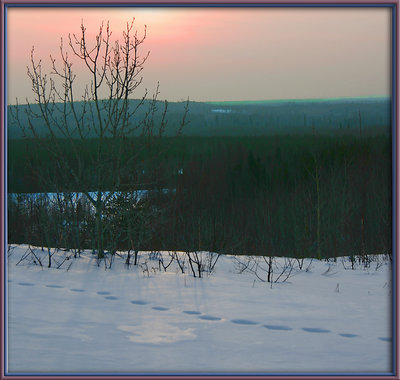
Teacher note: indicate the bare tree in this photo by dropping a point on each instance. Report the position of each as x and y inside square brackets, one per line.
[264, 268]
[91, 140]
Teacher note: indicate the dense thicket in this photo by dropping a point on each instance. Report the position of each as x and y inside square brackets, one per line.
[298, 196]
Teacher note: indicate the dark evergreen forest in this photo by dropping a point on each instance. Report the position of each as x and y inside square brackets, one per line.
[313, 195]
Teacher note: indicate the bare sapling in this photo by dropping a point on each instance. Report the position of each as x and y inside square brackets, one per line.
[107, 114]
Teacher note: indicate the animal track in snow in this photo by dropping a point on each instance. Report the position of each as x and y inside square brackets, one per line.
[315, 330]
[26, 284]
[349, 335]
[210, 318]
[139, 302]
[192, 312]
[244, 322]
[278, 327]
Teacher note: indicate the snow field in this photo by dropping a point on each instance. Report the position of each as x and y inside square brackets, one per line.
[121, 320]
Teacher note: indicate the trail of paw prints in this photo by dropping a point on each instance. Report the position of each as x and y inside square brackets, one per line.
[205, 317]
[47, 285]
[201, 316]
[248, 322]
[107, 294]
[344, 335]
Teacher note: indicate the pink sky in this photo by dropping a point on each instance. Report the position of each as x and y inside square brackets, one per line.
[225, 53]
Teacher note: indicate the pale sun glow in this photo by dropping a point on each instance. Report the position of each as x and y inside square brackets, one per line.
[224, 53]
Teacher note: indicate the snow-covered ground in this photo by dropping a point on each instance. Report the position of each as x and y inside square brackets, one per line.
[83, 318]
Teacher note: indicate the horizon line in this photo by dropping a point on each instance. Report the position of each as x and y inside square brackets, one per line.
[300, 99]
[281, 100]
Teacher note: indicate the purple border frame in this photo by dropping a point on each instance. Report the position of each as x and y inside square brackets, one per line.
[393, 4]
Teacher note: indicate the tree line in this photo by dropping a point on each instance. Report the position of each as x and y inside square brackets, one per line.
[310, 196]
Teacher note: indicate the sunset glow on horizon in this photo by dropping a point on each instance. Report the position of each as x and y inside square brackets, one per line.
[223, 54]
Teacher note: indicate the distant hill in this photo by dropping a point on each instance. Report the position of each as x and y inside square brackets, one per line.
[259, 118]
